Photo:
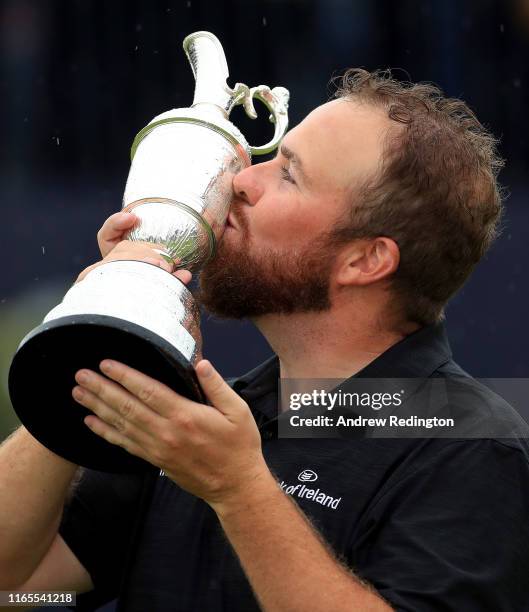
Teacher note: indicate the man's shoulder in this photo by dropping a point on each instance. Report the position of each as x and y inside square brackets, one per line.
[486, 408]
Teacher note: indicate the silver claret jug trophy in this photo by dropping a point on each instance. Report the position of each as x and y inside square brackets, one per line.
[180, 187]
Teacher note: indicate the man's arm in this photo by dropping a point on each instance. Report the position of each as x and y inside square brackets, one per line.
[34, 483]
[287, 563]
[214, 452]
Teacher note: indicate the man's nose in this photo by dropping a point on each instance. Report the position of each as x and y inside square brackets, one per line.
[247, 185]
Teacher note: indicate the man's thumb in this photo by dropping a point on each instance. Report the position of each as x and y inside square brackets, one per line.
[217, 390]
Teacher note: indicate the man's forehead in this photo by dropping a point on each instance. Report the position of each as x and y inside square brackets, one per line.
[339, 142]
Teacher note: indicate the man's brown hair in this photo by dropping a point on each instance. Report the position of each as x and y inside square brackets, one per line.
[436, 193]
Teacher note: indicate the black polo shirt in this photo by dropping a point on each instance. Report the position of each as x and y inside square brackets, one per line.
[432, 524]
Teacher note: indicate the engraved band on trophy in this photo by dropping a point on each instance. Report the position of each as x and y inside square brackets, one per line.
[180, 187]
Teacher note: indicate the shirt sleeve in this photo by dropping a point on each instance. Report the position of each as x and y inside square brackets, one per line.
[453, 534]
[98, 525]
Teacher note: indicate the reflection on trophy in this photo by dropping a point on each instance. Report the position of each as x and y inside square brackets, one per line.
[180, 187]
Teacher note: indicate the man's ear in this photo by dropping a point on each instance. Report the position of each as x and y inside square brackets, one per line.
[367, 261]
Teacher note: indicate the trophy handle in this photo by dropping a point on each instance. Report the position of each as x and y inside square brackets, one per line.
[208, 62]
[276, 100]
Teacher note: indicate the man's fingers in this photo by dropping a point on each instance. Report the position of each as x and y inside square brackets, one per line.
[113, 229]
[112, 435]
[184, 275]
[113, 404]
[86, 271]
[154, 394]
[160, 263]
[218, 392]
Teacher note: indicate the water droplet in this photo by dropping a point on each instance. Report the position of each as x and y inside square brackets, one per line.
[43, 250]
[136, 48]
[264, 21]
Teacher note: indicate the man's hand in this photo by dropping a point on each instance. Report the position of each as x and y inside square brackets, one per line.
[214, 452]
[113, 230]
[113, 247]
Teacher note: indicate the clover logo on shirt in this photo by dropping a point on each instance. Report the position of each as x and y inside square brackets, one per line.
[307, 476]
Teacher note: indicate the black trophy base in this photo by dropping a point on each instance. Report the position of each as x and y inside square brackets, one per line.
[41, 380]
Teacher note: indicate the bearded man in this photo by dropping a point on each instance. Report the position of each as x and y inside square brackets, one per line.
[344, 250]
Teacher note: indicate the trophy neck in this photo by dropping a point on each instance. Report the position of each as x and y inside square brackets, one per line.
[208, 62]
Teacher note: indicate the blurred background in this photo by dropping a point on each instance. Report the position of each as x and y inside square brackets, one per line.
[80, 78]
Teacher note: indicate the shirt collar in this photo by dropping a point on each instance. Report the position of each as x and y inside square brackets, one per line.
[258, 381]
[418, 355]
[415, 356]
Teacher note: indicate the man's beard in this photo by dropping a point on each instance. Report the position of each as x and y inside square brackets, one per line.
[239, 283]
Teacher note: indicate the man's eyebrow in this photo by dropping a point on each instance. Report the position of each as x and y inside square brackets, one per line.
[295, 159]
